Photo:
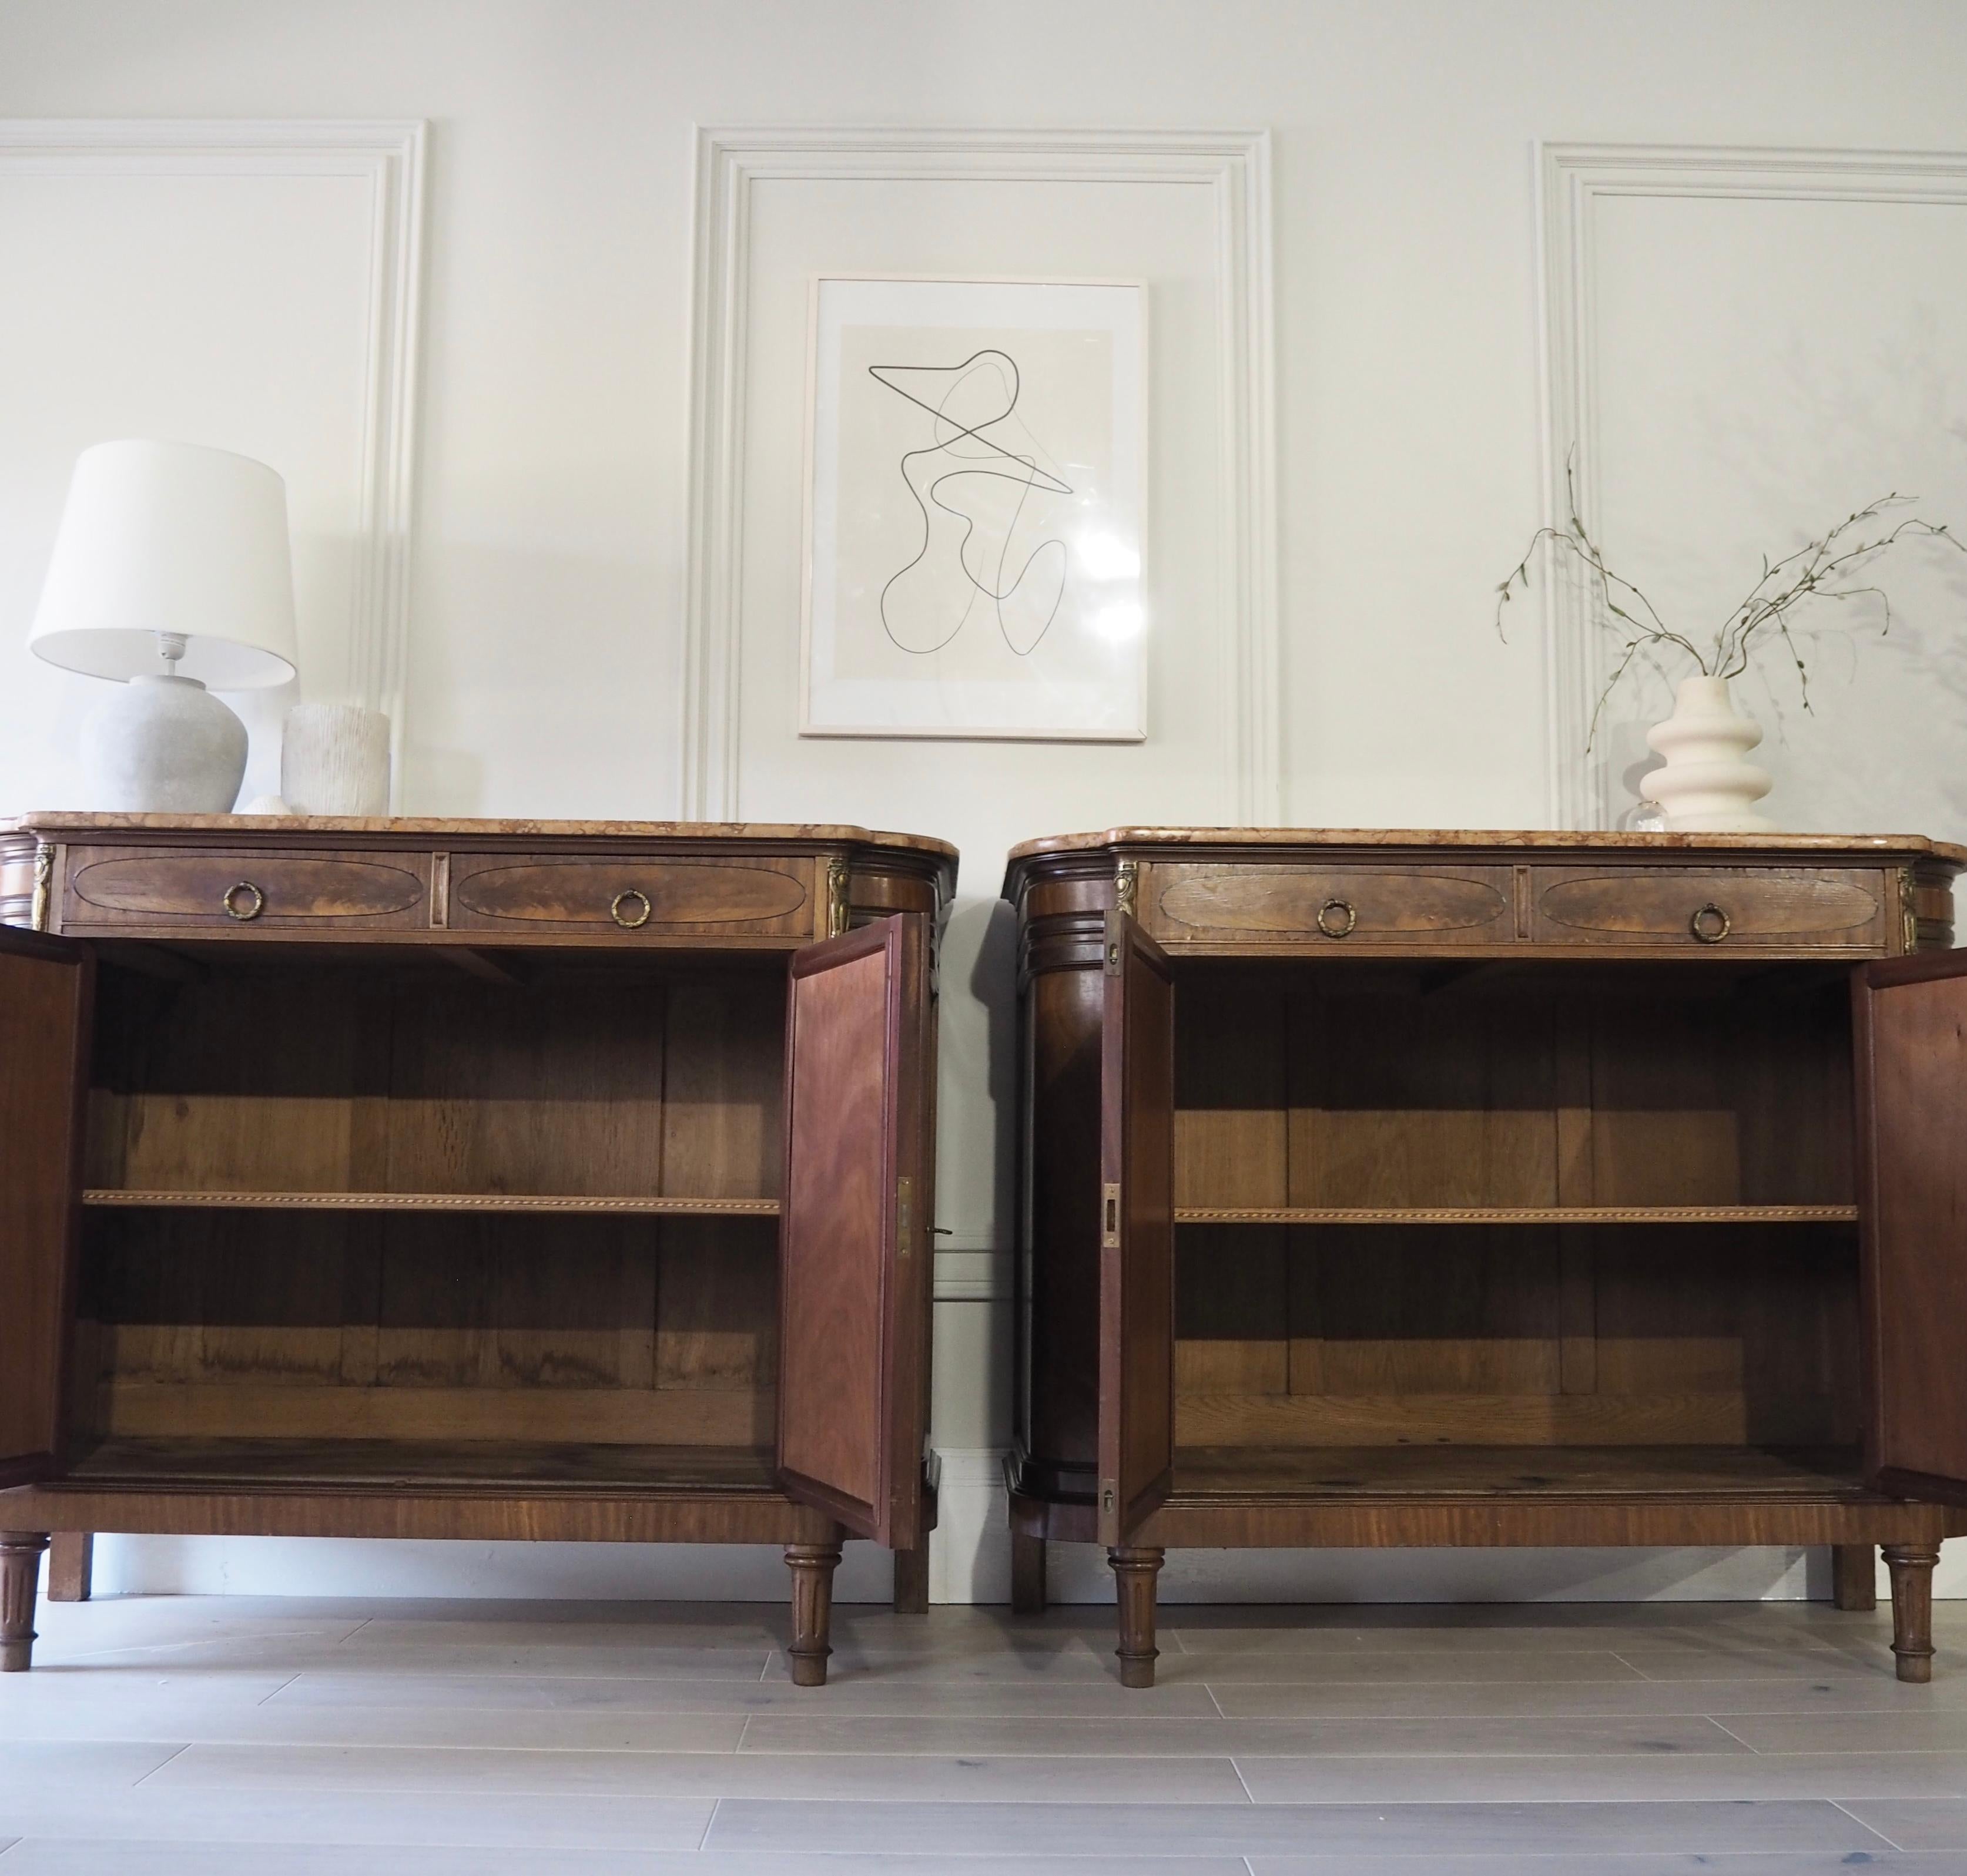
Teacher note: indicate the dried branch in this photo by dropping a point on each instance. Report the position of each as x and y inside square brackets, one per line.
[1821, 569]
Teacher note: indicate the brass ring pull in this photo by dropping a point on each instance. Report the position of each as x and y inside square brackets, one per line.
[1336, 919]
[244, 914]
[1710, 925]
[619, 911]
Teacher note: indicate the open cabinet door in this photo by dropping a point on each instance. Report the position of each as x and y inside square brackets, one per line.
[1136, 1230]
[46, 991]
[1911, 1031]
[853, 1232]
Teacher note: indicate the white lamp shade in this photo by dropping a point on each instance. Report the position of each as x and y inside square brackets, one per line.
[171, 537]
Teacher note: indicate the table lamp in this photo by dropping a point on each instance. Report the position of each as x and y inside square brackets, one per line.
[171, 571]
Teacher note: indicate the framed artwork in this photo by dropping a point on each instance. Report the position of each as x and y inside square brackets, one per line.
[976, 491]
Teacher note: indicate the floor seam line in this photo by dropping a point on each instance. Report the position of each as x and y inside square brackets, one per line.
[1732, 1734]
[1838, 1804]
[1242, 1780]
[282, 1688]
[161, 1764]
[709, 1822]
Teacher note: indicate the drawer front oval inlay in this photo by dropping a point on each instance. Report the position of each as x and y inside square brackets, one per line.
[587, 891]
[193, 889]
[1715, 908]
[1295, 902]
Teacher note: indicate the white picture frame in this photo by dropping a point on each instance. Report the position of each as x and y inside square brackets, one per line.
[975, 509]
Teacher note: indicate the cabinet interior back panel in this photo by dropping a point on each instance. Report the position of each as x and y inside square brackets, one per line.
[290, 1325]
[1362, 1087]
[1372, 1088]
[622, 1084]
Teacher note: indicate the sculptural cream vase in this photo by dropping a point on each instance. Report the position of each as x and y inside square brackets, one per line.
[1706, 786]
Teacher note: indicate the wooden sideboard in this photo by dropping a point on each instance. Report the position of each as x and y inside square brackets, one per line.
[466, 1179]
[1491, 1189]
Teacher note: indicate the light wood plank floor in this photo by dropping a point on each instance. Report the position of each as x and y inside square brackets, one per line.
[169, 1736]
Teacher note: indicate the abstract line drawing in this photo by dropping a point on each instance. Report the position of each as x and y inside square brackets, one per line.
[976, 492]
[979, 397]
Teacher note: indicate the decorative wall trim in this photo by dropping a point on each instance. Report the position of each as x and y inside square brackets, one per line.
[970, 1549]
[971, 1270]
[1235, 164]
[390, 156]
[1572, 179]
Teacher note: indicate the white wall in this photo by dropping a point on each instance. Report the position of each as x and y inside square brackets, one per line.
[548, 579]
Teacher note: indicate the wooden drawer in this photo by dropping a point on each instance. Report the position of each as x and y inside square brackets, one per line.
[1234, 902]
[1718, 908]
[244, 890]
[631, 895]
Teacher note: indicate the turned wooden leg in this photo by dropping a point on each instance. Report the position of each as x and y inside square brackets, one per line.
[812, 1566]
[1028, 1574]
[20, 1577]
[1854, 1576]
[1911, 1566]
[912, 1579]
[71, 1564]
[1135, 1567]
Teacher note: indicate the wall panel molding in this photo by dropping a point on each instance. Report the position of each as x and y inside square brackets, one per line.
[1233, 165]
[1573, 179]
[389, 157]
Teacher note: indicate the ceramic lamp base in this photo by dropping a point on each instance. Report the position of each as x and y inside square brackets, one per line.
[163, 745]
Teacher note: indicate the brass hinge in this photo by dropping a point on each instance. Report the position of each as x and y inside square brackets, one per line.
[905, 1214]
[1908, 908]
[1109, 1217]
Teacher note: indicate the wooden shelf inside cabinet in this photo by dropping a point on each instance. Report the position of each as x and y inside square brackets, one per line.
[1450, 1471]
[410, 1464]
[1518, 1215]
[496, 1203]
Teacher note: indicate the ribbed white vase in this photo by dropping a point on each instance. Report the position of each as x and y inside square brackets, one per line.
[1706, 785]
[334, 759]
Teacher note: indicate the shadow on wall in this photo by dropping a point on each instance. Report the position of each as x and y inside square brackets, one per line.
[1837, 432]
[994, 982]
